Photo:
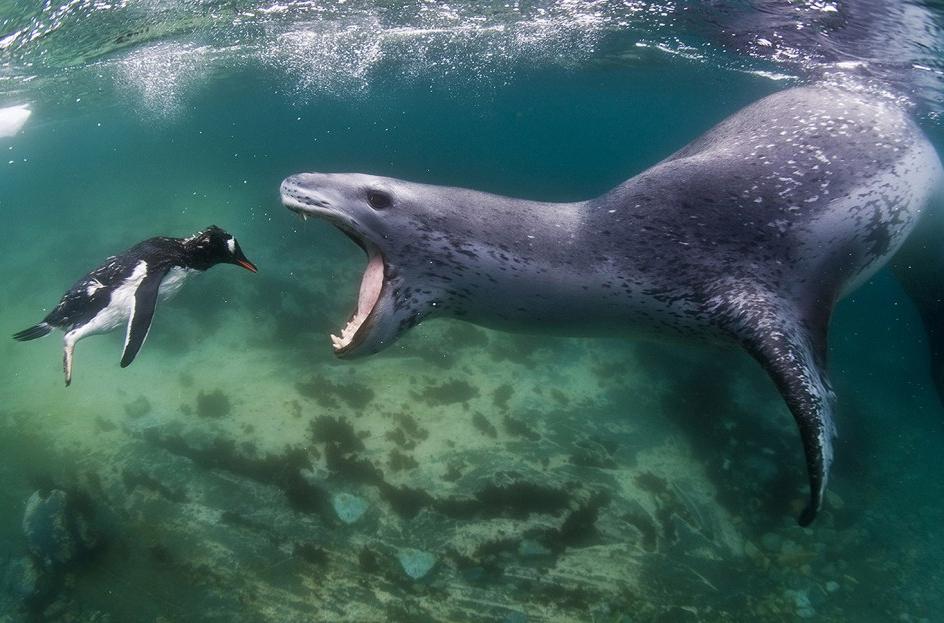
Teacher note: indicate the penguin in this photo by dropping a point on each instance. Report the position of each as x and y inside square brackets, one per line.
[126, 288]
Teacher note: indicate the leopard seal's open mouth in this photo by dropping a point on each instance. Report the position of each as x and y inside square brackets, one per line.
[307, 202]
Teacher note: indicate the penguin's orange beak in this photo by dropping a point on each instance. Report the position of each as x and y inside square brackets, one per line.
[240, 258]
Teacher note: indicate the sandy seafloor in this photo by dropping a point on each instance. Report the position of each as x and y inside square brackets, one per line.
[545, 479]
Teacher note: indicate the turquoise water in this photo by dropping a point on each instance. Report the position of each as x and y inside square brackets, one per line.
[485, 476]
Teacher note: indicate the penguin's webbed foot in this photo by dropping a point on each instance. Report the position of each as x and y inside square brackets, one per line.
[67, 356]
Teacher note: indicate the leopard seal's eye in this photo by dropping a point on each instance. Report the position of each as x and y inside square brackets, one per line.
[379, 200]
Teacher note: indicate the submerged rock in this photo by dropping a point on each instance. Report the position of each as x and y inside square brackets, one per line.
[416, 563]
[139, 407]
[56, 531]
[801, 601]
[349, 508]
[22, 581]
[529, 548]
[24, 578]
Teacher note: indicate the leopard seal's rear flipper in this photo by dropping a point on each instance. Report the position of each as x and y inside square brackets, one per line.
[789, 342]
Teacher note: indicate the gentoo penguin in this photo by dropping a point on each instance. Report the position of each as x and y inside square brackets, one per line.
[126, 287]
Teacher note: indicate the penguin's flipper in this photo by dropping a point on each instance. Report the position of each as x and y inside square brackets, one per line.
[791, 347]
[139, 324]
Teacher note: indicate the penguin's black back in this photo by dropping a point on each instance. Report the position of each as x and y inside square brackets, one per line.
[92, 293]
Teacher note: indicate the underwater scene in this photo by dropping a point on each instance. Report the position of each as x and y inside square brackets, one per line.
[244, 468]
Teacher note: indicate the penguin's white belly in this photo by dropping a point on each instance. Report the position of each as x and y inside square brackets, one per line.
[120, 307]
[118, 310]
[173, 281]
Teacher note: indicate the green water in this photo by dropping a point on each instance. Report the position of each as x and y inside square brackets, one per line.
[548, 479]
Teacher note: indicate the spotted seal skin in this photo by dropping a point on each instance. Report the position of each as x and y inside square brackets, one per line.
[750, 234]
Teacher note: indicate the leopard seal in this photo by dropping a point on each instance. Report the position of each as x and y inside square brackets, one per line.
[748, 235]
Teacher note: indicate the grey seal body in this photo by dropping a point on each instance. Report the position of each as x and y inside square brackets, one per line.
[750, 234]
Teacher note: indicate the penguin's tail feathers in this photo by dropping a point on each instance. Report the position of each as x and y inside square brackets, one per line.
[36, 331]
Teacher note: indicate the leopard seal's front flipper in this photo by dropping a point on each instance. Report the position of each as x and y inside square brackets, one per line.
[748, 235]
[919, 268]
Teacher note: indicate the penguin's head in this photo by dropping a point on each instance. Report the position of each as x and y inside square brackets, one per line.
[213, 246]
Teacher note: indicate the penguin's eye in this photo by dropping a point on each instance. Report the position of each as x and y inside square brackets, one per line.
[379, 200]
